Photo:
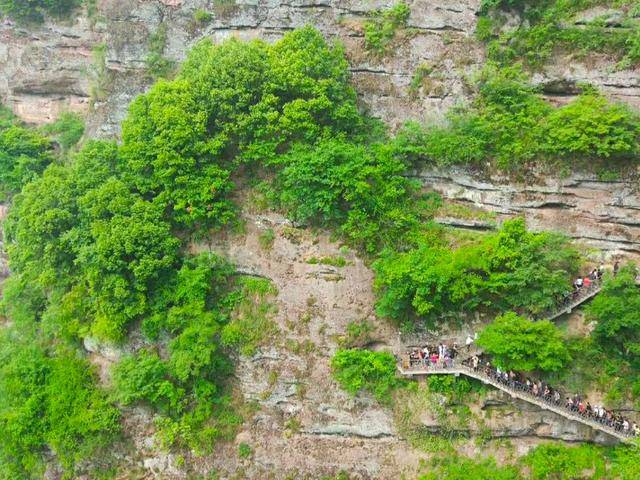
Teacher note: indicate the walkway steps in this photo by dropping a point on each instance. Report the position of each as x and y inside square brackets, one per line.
[585, 294]
[463, 370]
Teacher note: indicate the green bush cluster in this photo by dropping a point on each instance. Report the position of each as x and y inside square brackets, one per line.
[67, 130]
[517, 343]
[49, 405]
[34, 11]
[24, 154]
[357, 370]
[616, 311]
[509, 125]
[550, 461]
[513, 269]
[382, 26]
[550, 25]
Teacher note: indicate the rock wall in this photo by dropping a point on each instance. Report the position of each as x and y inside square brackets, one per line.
[602, 214]
[51, 68]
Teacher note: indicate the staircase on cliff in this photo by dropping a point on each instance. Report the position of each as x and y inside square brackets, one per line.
[458, 370]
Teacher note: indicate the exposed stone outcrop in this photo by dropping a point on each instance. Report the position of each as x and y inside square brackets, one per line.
[48, 69]
[602, 214]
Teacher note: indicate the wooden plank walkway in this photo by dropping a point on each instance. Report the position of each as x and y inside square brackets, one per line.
[515, 393]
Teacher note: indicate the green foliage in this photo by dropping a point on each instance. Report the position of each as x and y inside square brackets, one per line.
[382, 26]
[559, 462]
[34, 11]
[361, 190]
[66, 130]
[169, 159]
[266, 239]
[457, 467]
[187, 386]
[157, 65]
[202, 17]
[24, 154]
[244, 450]
[358, 334]
[616, 310]
[524, 345]
[549, 26]
[513, 269]
[357, 370]
[455, 388]
[251, 322]
[510, 125]
[48, 403]
[333, 260]
[78, 228]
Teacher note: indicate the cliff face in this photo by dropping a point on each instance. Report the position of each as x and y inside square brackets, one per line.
[97, 65]
[601, 214]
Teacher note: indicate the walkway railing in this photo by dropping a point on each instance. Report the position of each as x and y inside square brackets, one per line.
[459, 369]
[572, 301]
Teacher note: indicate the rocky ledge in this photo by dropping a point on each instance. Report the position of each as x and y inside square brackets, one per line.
[601, 214]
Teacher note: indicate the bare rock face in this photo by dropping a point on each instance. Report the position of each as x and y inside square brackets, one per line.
[602, 214]
[51, 68]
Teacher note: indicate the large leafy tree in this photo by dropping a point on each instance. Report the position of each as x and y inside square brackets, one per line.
[521, 344]
[616, 310]
[357, 188]
[511, 269]
[80, 237]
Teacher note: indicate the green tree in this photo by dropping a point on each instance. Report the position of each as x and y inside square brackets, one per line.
[357, 370]
[359, 189]
[510, 269]
[524, 345]
[24, 154]
[616, 309]
[48, 402]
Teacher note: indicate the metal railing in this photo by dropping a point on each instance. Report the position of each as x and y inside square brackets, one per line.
[517, 391]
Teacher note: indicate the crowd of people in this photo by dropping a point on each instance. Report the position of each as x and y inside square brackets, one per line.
[442, 356]
[433, 356]
[543, 391]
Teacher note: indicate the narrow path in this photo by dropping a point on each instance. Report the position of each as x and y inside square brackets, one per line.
[520, 394]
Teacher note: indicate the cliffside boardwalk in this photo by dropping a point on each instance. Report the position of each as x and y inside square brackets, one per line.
[582, 295]
[461, 369]
[585, 293]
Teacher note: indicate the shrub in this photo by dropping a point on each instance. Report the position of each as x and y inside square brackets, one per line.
[358, 370]
[616, 309]
[360, 190]
[564, 463]
[24, 154]
[66, 130]
[549, 26]
[202, 17]
[509, 125]
[457, 467]
[49, 403]
[524, 345]
[244, 450]
[381, 28]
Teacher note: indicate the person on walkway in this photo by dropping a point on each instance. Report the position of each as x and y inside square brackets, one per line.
[616, 267]
[586, 282]
[474, 363]
[578, 283]
[468, 342]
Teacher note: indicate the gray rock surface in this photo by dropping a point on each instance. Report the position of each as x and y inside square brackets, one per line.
[601, 214]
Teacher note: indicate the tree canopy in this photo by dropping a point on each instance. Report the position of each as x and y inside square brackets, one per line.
[525, 345]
